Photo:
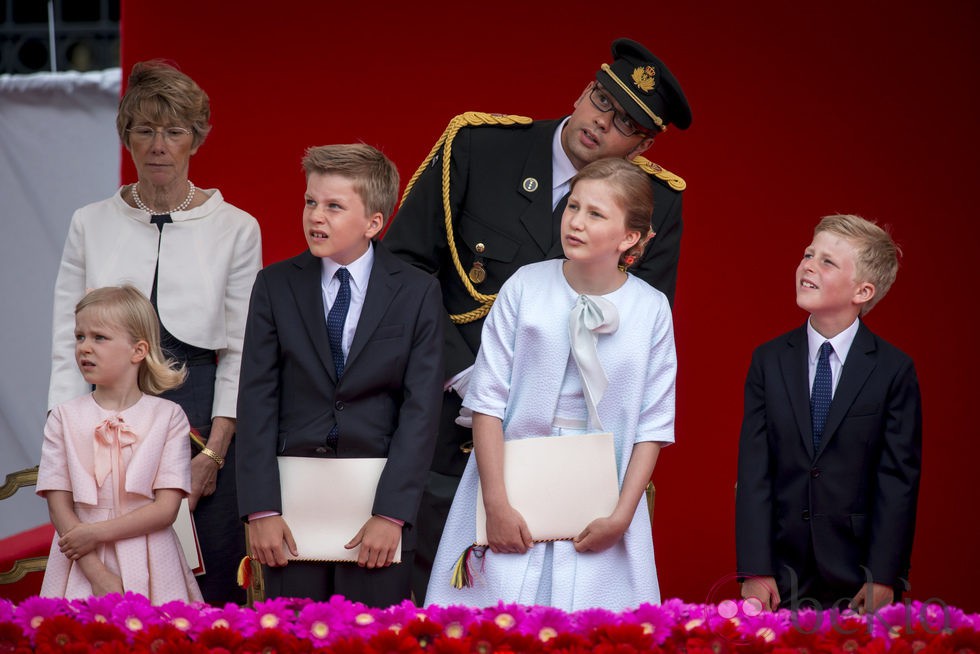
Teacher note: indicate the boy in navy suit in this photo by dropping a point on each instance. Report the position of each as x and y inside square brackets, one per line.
[342, 358]
[831, 443]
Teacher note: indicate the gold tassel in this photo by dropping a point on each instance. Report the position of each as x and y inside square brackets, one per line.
[462, 576]
[244, 576]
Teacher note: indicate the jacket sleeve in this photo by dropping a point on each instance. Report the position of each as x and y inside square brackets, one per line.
[754, 490]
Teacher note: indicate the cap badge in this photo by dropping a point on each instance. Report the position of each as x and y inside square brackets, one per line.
[643, 77]
[530, 184]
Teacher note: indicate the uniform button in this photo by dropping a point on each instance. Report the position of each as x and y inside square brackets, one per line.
[321, 450]
[815, 473]
[806, 514]
[480, 247]
[338, 405]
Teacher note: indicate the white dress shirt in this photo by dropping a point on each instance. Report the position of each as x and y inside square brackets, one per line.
[562, 170]
[360, 275]
[841, 344]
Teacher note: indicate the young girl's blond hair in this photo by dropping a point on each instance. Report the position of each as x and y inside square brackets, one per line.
[127, 308]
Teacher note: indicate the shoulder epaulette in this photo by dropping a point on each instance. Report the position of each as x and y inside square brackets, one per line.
[482, 118]
[673, 181]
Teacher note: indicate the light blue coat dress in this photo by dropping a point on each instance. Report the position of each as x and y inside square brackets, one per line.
[517, 377]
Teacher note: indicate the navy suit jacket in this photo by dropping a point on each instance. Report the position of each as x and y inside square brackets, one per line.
[386, 403]
[829, 515]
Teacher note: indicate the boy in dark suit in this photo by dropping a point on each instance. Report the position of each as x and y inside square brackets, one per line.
[342, 358]
[831, 443]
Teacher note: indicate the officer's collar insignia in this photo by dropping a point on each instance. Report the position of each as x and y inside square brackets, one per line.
[643, 77]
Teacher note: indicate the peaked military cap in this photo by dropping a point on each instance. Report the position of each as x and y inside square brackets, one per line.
[644, 87]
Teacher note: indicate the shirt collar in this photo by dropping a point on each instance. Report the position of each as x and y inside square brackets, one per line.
[841, 343]
[360, 269]
[562, 169]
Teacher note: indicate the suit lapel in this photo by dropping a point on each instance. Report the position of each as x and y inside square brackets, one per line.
[382, 288]
[309, 298]
[793, 363]
[537, 218]
[858, 366]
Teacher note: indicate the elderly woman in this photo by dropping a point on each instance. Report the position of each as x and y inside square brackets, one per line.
[196, 257]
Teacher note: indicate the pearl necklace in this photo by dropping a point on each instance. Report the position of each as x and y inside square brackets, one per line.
[180, 207]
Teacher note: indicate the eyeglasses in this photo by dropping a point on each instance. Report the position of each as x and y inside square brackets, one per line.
[601, 101]
[145, 133]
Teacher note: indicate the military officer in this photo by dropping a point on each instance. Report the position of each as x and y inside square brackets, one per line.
[489, 198]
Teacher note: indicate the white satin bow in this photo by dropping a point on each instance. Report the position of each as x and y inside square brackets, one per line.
[592, 315]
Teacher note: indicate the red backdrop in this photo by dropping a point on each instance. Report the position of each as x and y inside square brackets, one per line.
[800, 110]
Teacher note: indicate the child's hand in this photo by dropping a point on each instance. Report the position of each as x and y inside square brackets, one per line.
[105, 583]
[379, 539]
[80, 540]
[507, 532]
[762, 592]
[266, 537]
[600, 535]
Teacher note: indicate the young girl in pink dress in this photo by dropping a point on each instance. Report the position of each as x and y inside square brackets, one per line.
[115, 462]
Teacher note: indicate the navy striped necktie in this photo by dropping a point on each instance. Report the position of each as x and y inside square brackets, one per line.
[821, 394]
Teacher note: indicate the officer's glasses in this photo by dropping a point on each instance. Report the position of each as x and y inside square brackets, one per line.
[601, 101]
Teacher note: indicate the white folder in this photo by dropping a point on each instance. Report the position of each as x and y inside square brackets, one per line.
[559, 484]
[325, 502]
[187, 535]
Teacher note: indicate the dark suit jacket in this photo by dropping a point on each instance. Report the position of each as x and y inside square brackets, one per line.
[826, 514]
[386, 404]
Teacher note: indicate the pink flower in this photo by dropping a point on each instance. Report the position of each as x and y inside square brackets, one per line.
[6, 610]
[95, 609]
[588, 620]
[35, 610]
[506, 616]
[545, 623]
[275, 613]
[231, 616]
[135, 613]
[655, 620]
[185, 617]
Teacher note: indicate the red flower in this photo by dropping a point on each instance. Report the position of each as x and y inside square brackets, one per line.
[631, 635]
[273, 641]
[100, 634]
[389, 642]
[56, 633]
[220, 638]
[13, 640]
[423, 631]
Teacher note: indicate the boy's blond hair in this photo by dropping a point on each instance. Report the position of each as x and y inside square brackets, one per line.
[373, 175]
[125, 308]
[877, 254]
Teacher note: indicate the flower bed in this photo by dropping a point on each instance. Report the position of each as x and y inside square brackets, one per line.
[130, 624]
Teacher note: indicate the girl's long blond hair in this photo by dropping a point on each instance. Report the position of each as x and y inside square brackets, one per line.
[127, 308]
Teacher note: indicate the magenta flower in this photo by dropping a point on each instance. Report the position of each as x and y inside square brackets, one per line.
[545, 623]
[6, 610]
[185, 617]
[277, 613]
[396, 616]
[322, 622]
[231, 616]
[654, 619]
[506, 616]
[95, 609]
[588, 620]
[135, 613]
[35, 610]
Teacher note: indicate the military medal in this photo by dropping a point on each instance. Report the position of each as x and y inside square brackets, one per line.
[477, 273]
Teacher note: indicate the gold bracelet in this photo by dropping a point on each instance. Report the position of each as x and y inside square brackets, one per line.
[211, 454]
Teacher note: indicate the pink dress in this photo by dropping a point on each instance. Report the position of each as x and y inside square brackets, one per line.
[112, 462]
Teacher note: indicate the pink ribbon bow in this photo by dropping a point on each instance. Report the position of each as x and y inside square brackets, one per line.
[110, 437]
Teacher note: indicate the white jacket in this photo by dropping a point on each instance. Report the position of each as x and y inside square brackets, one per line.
[208, 260]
